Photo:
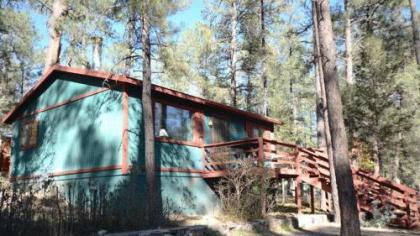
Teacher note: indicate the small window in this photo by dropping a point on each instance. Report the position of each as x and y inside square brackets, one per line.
[28, 134]
[172, 122]
[220, 130]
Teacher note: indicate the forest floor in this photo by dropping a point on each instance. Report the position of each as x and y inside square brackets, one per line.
[334, 229]
[217, 227]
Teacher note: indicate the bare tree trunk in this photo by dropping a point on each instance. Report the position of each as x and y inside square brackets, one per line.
[264, 78]
[149, 140]
[131, 27]
[249, 91]
[233, 56]
[59, 10]
[416, 33]
[396, 167]
[97, 53]
[347, 195]
[324, 112]
[320, 121]
[84, 61]
[377, 155]
[349, 57]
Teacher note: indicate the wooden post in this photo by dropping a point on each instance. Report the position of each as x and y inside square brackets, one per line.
[407, 201]
[323, 201]
[298, 187]
[298, 195]
[261, 166]
[312, 199]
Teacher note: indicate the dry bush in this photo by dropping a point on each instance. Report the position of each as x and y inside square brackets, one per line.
[243, 190]
[46, 208]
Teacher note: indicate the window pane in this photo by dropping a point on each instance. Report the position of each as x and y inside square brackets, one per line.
[173, 122]
[178, 123]
[220, 130]
[158, 117]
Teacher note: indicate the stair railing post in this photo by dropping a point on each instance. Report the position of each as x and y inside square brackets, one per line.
[312, 199]
[298, 188]
[260, 164]
[407, 202]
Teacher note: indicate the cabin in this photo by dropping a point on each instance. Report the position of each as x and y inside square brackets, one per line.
[84, 125]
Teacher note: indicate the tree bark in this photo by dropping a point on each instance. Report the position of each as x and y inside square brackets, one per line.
[416, 33]
[264, 78]
[97, 53]
[320, 121]
[59, 10]
[376, 156]
[349, 57]
[324, 114]
[233, 54]
[396, 167]
[347, 196]
[149, 140]
[131, 27]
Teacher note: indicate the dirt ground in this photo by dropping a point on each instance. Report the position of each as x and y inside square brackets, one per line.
[333, 229]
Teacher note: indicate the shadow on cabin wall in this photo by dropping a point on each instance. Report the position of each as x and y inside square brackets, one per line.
[87, 134]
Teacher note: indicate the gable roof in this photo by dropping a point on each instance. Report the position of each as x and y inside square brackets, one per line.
[48, 77]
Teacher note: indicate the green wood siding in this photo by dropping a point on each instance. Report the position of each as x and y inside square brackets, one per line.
[83, 134]
[62, 89]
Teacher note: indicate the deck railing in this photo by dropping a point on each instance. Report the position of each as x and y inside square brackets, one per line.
[311, 166]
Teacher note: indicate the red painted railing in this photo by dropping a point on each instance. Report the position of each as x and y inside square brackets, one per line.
[311, 166]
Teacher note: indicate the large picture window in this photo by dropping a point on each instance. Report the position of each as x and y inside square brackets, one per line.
[28, 134]
[173, 122]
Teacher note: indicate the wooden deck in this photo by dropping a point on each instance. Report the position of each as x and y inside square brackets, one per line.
[311, 166]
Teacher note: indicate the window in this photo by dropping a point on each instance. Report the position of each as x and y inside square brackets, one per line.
[220, 130]
[173, 122]
[28, 134]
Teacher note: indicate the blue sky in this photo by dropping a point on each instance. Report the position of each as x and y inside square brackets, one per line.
[184, 19]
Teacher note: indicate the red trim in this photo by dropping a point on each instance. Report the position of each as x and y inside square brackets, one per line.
[105, 168]
[181, 170]
[198, 128]
[174, 141]
[68, 172]
[66, 102]
[175, 169]
[127, 80]
[124, 161]
[85, 170]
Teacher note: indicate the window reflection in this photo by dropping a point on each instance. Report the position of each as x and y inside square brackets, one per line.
[172, 122]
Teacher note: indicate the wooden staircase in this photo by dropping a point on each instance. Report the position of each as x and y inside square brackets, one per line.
[311, 166]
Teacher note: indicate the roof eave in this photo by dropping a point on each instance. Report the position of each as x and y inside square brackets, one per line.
[8, 118]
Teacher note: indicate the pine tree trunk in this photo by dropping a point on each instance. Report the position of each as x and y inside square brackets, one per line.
[233, 54]
[131, 27]
[320, 122]
[59, 10]
[376, 156]
[396, 167]
[264, 78]
[416, 33]
[147, 110]
[324, 114]
[249, 91]
[349, 57]
[347, 195]
[97, 53]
